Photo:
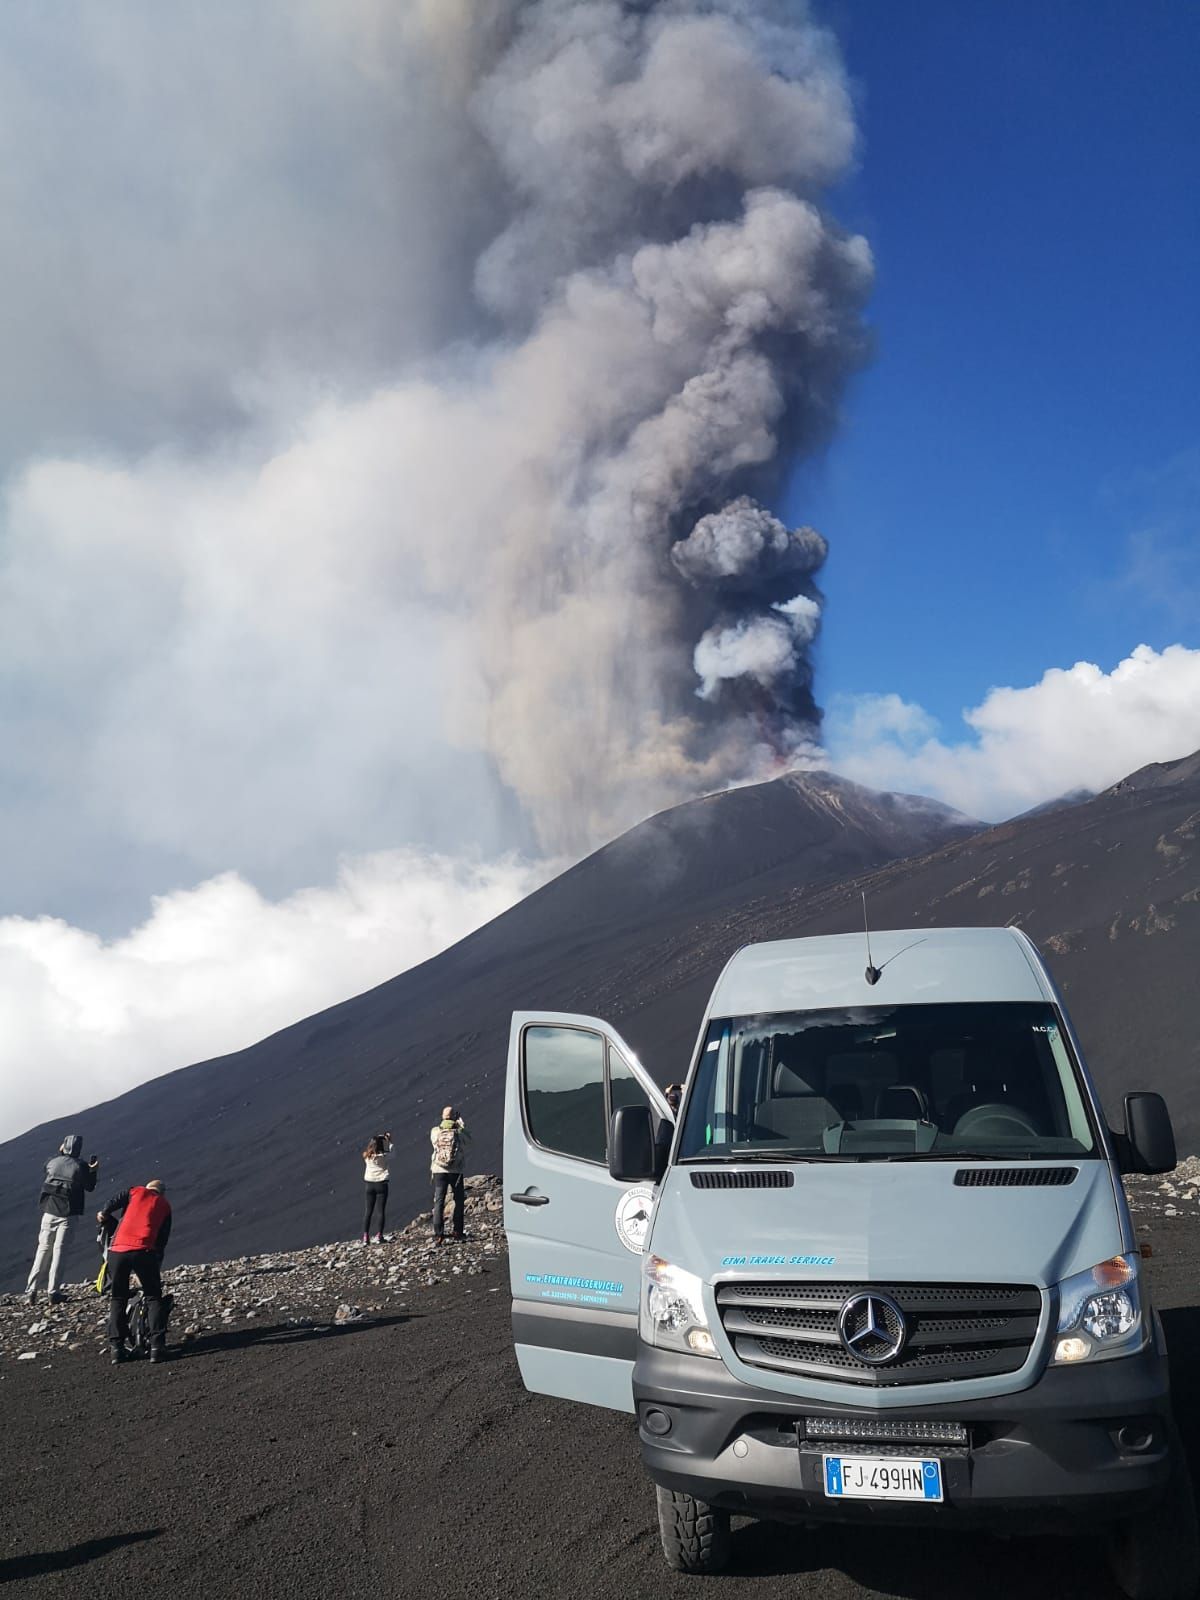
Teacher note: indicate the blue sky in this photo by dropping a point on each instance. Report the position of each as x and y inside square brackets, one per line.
[1016, 483]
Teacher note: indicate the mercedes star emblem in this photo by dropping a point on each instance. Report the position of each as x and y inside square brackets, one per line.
[872, 1328]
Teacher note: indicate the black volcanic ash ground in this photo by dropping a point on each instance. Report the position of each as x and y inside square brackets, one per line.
[395, 1453]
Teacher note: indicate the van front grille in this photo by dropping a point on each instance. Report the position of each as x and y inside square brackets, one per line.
[952, 1331]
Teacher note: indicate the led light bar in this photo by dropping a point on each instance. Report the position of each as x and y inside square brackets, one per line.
[870, 1430]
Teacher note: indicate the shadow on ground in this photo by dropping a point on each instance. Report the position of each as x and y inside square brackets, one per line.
[1182, 1328]
[75, 1555]
[278, 1333]
[891, 1561]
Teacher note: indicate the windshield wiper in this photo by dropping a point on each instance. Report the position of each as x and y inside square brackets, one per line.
[759, 1155]
[964, 1155]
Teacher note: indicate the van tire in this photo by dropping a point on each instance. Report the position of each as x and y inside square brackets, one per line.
[695, 1536]
[1156, 1555]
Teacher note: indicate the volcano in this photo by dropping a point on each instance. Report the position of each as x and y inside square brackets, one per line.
[260, 1149]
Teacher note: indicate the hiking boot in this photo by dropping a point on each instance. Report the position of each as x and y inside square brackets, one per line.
[366, 1239]
[378, 1239]
[157, 1353]
[116, 1353]
[458, 1237]
[439, 1238]
[57, 1297]
[31, 1296]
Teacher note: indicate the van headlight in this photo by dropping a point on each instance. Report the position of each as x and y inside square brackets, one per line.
[1100, 1313]
[672, 1310]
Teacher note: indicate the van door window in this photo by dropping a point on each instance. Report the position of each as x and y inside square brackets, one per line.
[564, 1091]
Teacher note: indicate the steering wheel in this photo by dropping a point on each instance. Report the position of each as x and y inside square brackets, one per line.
[999, 1122]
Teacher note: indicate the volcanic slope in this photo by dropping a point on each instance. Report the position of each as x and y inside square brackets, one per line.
[260, 1149]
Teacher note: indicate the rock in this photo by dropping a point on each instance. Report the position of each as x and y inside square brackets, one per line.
[27, 1355]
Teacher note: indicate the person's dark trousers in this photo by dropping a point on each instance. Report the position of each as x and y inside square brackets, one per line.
[121, 1263]
[375, 1192]
[456, 1184]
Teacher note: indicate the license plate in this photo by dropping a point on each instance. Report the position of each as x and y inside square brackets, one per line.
[882, 1478]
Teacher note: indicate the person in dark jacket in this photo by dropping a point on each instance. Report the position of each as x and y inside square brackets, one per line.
[137, 1245]
[65, 1182]
[666, 1126]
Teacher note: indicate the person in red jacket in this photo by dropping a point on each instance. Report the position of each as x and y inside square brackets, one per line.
[137, 1246]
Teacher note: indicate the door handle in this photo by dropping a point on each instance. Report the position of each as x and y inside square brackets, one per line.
[531, 1198]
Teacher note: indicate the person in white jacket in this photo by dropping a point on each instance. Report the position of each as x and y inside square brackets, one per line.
[376, 1157]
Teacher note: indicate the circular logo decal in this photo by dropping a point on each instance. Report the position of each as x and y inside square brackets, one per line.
[632, 1217]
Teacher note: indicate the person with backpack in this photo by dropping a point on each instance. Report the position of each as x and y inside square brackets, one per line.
[376, 1157]
[65, 1182]
[449, 1141]
[137, 1245]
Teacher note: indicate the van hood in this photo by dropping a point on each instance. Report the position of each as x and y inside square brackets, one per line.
[880, 1222]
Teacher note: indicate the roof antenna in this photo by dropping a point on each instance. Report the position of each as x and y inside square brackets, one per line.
[872, 973]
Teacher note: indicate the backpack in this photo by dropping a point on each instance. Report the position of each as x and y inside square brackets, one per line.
[104, 1235]
[61, 1175]
[139, 1323]
[447, 1147]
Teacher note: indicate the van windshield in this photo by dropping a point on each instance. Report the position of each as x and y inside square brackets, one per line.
[989, 1079]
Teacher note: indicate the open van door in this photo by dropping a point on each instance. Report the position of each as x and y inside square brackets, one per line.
[575, 1235]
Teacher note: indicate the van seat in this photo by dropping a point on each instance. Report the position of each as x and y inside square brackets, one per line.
[901, 1102]
[799, 1118]
[789, 1082]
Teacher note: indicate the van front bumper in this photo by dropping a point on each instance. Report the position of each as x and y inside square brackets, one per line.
[1085, 1442]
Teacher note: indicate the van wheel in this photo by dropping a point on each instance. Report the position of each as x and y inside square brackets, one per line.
[1156, 1555]
[695, 1536]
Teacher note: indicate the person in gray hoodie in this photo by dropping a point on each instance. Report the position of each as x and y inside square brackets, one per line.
[65, 1182]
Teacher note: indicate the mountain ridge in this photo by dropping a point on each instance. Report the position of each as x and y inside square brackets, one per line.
[262, 1146]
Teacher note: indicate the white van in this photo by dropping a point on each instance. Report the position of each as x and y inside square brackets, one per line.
[882, 1268]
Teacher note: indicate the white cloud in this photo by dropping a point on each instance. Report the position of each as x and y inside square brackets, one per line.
[1077, 728]
[216, 967]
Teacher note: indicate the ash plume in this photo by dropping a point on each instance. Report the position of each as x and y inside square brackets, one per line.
[675, 314]
[412, 389]
[744, 545]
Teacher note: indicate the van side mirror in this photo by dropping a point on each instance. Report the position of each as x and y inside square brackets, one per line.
[1149, 1136]
[631, 1145]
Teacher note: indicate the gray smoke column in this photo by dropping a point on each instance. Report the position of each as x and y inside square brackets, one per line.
[676, 322]
[417, 377]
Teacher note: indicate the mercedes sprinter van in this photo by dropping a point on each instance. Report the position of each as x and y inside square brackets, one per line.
[882, 1267]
